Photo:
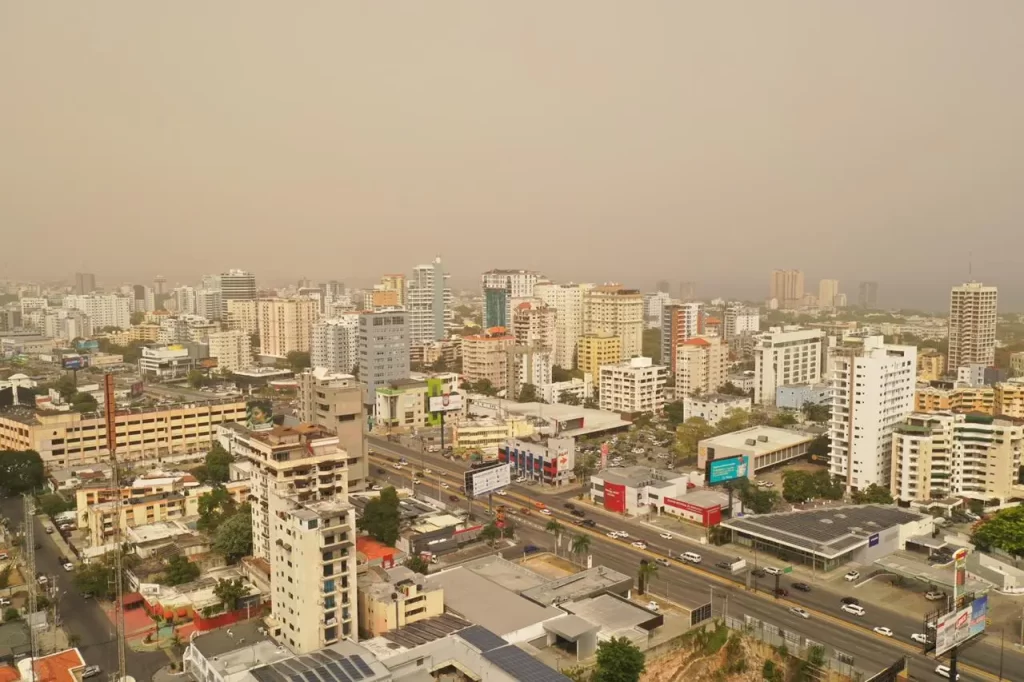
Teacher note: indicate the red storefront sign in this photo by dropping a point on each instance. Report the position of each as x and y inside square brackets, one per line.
[614, 497]
[709, 516]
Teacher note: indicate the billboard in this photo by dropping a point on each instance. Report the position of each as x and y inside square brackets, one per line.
[614, 497]
[956, 627]
[487, 478]
[74, 362]
[138, 389]
[259, 414]
[207, 363]
[726, 469]
[604, 455]
[449, 402]
[87, 345]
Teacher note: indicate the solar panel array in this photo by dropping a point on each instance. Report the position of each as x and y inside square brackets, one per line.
[835, 528]
[482, 638]
[326, 665]
[522, 666]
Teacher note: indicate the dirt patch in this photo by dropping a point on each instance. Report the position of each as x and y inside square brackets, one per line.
[775, 475]
[550, 566]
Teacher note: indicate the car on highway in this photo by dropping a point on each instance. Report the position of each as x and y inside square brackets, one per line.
[639, 545]
[691, 557]
[851, 576]
[919, 638]
[612, 534]
[801, 587]
[427, 472]
[381, 471]
[663, 561]
[622, 533]
[375, 488]
[501, 492]
[569, 505]
[545, 511]
[781, 592]
[855, 609]
[525, 511]
[943, 671]
[724, 565]
[579, 513]
[397, 465]
[885, 632]
[850, 600]
[667, 536]
[67, 565]
[934, 595]
[453, 498]
[416, 481]
[771, 570]
[589, 523]
[48, 528]
[797, 611]
[445, 485]
[90, 671]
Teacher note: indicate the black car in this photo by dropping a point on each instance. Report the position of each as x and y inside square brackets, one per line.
[589, 523]
[758, 573]
[726, 565]
[781, 592]
[569, 505]
[381, 471]
[802, 587]
[578, 512]
[850, 600]
[530, 549]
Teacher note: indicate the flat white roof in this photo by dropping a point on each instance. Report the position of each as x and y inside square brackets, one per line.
[777, 439]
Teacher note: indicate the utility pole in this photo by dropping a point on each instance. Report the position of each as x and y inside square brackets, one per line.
[30, 568]
[110, 414]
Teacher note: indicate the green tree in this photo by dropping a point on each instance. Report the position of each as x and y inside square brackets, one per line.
[827, 487]
[647, 570]
[733, 421]
[218, 463]
[555, 528]
[66, 387]
[84, 403]
[179, 570]
[11, 613]
[730, 388]
[1005, 531]
[528, 394]
[782, 419]
[52, 504]
[674, 413]
[819, 447]
[214, 508]
[584, 466]
[5, 576]
[381, 518]
[771, 672]
[873, 494]
[417, 564]
[95, 578]
[196, 379]
[298, 360]
[490, 534]
[138, 317]
[230, 592]
[234, 537]
[688, 435]
[580, 546]
[618, 660]
[21, 471]
[484, 387]
[797, 487]
[817, 413]
[568, 398]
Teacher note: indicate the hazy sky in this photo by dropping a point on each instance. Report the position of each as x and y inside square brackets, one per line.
[589, 139]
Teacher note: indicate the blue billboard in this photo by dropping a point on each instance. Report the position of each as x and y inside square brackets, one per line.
[727, 469]
[87, 345]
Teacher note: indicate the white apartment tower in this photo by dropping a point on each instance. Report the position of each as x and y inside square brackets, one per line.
[612, 309]
[305, 528]
[534, 325]
[740, 320]
[654, 307]
[567, 300]
[828, 291]
[336, 344]
[243, 316]
[633, 386]
[104, 310]
[428, 300]
[517, 285]
[286, 325]
[234, 285]
[873, 387]
[784, 356]
[787, 287]
[232, 348]
[972, 325]
[701, 364]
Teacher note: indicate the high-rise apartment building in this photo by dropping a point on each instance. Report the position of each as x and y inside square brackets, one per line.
[784, 356]
[395, 283]
[496, 308]
[185, 300]
[337, 402]
[534, 325]
[232, 348]
[972, 325]
[701, 365]
[633, 386]
[336, 344]
[867, 295]
[485, 357]
[931, 365]
[428, 300]
[210, 305]
[104, 310]
[678, 323]
[1017, 364]
[616, 310]
[654, 308]
[243, 316]
[527, 365]
[787, 287]
[567, 300]
[234, 285]
[872, 391]
[828, 291]
[663, 286]
[687, 291]
[517, 284]
[286, 325]
[160, 285]
[383, 349]
[85, 283]
[946, 455]
[305, 528]
[597, 350]
[144, 299]
[740, 320]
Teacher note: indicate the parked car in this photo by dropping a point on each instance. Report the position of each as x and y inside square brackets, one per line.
[935, 595]
[4, 601]
[530, 549]
[90, 671]
[919, 638]
[67, 565]
[453, 498]
[48, 528]
[851, 576]
[653, 606]
[4, 556]
[663, 561]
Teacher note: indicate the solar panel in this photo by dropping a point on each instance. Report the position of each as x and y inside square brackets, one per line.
[311, 676]
[297, 677]
[331, 653]
[267, 674]
[481, 638]
[522, 666]
[338, 673]
[361, 664]
[350, 669]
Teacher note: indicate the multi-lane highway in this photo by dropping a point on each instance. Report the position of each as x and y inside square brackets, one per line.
[693, 584]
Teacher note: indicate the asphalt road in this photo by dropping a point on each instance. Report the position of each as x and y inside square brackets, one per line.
[691, 585]
[82, 617]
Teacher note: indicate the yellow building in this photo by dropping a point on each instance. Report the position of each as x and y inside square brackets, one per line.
[66, 439]
[931, 365]
[403, 598]
[613, 309]
[1009, 399]
[143, 333]
[286, 325]
[487, 435]
[384, 298]
[395, 283]
[595, 350]
[965, 399]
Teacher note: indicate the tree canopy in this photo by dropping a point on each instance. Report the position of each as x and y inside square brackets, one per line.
[218, 462]
[381, 517]
[674, 413]
[873, 494]
[417, 564]
[214, 508]
[817, 413]
[688, 435]
[234, 537]
[298, 360]
[230, 592]
[528, 394]
[801, 486]
[179, 570]
[568, 398]
[21, 471]
[1005, 531]
[618, 660]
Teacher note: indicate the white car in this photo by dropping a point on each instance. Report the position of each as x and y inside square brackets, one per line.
[545, 512]
[885, 632]
[4, 601]
[653, 606]
[520, 479]
[501, 492]
[771, 570]
[667, 536]
[622, 533]
[42, 580]
[68, 566]
[851, 576]
[943, 671]
[612, 534]
[445, 486]
[919, 638]
[427, 472]
[415, 481]
[376, 488]
[663, 562]
[855, 609]
[397, 465]
[640, 545]
[797, 611]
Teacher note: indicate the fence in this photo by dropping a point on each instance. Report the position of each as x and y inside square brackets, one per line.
[797, 644]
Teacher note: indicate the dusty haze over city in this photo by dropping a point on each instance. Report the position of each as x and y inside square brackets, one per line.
[587, 139]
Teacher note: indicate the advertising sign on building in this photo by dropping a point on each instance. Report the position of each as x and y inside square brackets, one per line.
[614, 497]
[707, 516]
[488, 478]
[957, 627]
[207, 363]
[726, 469]
[259, 414]
[74, 362]
[449, 402]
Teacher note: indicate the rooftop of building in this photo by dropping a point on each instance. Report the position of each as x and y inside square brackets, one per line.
[344, 661]
[636, 476]
[414, 635]
[764, 439]
[223, 640]
[372, 549]
[829, 532]
[576, 586]
[719, 398]
[486, 603]
[34, 417]
[593, 421]
[616, 616]
[56, 667]
[510, 575]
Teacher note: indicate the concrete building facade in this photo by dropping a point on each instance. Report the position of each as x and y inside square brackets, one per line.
[336, 344]
[337, 403]
[616, 310]
[485, 357]
[634, 386]
[428, 301]
[679, 323]
[567, 300]
[596, 351]
[972, 325]
[232, 348]
[104, 310]
[701, 364]
[286, 325]
[383, 349]
[784, 356]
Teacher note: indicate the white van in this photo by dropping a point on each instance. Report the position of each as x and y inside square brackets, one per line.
[692, 557]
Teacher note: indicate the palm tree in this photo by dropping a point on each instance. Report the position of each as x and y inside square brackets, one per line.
[581, 545]
[648, 569]
[555, 528]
